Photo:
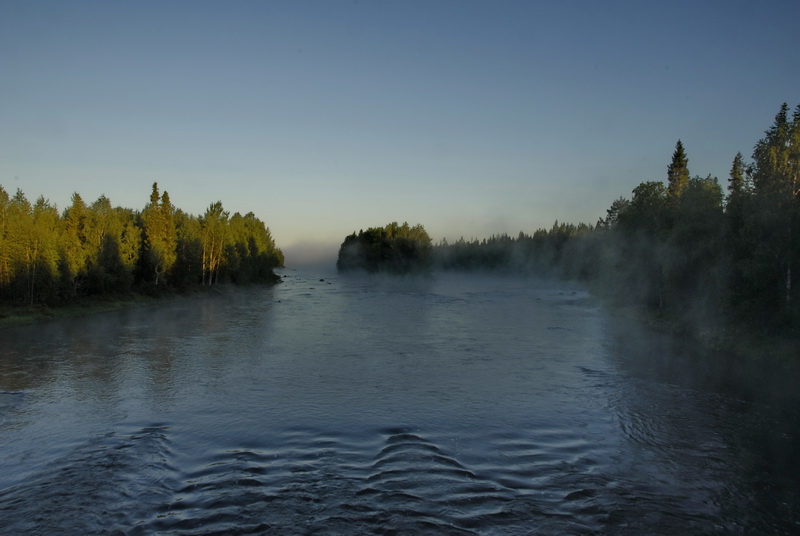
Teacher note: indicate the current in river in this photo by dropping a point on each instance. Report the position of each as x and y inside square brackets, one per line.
[353, 404]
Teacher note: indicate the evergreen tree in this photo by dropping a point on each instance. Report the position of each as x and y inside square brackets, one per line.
[74, 243]
[187, 270]
[677, 173]
[107, 273]
[44, 259]
[691, 259]
[100, 250]
[773, 169]
[737, 185]
[739, 244]
[170, 236]
[160, 236]
[392, 248]
[33, 249]
[776, 164]
[20, 244]
[130, 238]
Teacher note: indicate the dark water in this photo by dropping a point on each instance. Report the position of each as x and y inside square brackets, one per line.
[441, 405]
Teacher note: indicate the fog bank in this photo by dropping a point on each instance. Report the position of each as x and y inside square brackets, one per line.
[310, 253]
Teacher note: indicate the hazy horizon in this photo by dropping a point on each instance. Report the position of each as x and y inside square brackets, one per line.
[324, 118]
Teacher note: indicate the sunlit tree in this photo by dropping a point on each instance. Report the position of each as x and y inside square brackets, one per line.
[130, 238]
[6, 259]
[74, 242]
[214, 226]
[160, 235]
[677, 173]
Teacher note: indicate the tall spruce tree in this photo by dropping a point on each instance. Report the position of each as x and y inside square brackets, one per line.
[772, 157]
[776, 165]
[74, 239]
[160, 235]
[736, 183]
[677, 173]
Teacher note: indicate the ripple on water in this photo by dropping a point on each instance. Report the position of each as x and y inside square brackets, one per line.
[509, 427]
[103, 484]
[536, 480]
[385, 481]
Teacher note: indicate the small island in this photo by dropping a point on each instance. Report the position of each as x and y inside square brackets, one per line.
[397, 249]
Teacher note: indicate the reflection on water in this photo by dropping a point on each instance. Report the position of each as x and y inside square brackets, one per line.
[362, 405]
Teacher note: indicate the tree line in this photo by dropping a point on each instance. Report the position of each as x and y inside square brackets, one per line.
[682, 248]
[393, 248]
[51, 258]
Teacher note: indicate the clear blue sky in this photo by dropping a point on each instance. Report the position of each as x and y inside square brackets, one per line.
[326, 117]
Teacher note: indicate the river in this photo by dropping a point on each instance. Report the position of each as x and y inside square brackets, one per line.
[338, 404]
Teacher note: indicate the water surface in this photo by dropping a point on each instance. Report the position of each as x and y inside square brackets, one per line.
[369, 405]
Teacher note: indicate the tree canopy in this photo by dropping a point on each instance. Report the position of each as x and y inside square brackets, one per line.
[393, 248]
[97, 249]
[680, 247]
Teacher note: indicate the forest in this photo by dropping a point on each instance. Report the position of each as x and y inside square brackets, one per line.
[51, 258]
[680, 250]
[393, 248]
[683, 250]
[708, 258]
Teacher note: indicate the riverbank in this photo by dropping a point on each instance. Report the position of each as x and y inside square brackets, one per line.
[738, 341]
[20, 315]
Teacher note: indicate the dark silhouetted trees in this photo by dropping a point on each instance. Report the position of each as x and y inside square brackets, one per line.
[764, 225]
[682, 249]
[393, 248]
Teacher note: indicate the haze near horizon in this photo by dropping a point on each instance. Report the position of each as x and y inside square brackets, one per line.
[324, 118]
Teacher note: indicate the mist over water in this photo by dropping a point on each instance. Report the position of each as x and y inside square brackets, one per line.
[441, 404]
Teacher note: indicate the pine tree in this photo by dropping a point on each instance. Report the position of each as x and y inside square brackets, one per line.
[19, 244]
[170, 236]
[677, 173]
[130, 238]
[772, 157]
[74, 239]
[776, 164]
[160, 236]
[107, 272]
[736, 183]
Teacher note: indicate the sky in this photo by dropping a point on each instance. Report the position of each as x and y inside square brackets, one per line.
[325, 117]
